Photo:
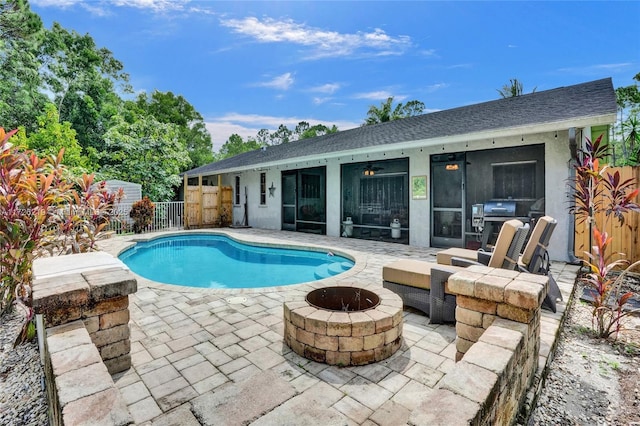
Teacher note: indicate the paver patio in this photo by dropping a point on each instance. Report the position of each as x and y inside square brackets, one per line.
[217, 357]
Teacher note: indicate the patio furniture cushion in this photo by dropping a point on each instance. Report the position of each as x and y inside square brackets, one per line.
[536, 239]
[444, 257]
[423, 286]
[414, 273]
[501, 256]
[511, 237]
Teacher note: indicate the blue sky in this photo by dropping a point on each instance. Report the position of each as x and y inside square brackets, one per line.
[251, 65]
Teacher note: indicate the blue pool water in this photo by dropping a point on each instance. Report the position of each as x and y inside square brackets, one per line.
[216, 261]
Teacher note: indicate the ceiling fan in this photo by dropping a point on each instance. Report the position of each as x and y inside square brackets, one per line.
[370, 170]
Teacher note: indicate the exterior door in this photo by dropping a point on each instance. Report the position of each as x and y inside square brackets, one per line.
[448, 195]
[289, 201]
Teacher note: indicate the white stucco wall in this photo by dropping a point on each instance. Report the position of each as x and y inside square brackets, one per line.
[557, 168]
[269, 216]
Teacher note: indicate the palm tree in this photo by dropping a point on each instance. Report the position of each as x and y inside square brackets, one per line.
[386, 112]
[513, 89]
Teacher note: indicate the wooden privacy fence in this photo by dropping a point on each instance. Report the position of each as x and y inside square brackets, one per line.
[207, 206]
[626, 238]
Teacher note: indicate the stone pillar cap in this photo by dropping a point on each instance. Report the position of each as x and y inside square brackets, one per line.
[47, 267]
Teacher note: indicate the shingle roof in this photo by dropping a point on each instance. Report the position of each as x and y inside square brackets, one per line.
[592, 99]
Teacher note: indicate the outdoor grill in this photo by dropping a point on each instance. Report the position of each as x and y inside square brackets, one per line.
[496, 212]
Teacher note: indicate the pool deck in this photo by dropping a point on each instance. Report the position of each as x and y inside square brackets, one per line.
[217, 357]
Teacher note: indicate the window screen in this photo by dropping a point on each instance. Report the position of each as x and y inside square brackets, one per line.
[514, 180]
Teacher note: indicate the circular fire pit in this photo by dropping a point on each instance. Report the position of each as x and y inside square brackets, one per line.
[344, 325]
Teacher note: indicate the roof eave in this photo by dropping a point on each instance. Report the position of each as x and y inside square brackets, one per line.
[442, 140]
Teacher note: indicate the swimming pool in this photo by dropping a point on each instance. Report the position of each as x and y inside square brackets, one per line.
[217, 261]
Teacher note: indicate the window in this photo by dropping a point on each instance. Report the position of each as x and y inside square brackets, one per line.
[237, 190]
[516, 180]
[263, 189]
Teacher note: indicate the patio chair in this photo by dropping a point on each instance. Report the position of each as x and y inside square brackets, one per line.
[423, 285]
[534, 258]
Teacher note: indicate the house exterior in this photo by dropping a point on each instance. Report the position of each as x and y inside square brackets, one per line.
[422, 180]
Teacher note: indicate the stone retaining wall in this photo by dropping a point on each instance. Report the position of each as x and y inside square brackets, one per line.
[498, 329]
[84, 304]
[80, 390]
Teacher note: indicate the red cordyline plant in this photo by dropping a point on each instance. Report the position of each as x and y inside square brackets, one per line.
[43, 212]
[597, 190]
[142, 212]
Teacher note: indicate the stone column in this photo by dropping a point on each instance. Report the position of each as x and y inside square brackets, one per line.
[498, 329]
[484, 294]
[92, 287]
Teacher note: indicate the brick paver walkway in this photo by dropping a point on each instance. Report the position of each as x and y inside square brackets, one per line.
[217, 357]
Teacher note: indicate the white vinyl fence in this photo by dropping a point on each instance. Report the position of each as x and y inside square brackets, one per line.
[168, 215]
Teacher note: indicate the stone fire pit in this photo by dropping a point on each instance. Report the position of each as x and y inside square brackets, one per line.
[344, 325]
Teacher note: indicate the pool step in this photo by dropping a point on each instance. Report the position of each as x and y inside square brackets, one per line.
[330, 269]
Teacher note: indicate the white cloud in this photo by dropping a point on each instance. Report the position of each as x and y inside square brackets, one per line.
[329, 88]
[221, 130]
[457, 66]
[434, 87]
[428, 52]
[322, 43]
[248, 125]
[379, 95]
[597, 69]
[155, 5]
[55, 3]
[101, 7]
[281, 82]
[320, 100]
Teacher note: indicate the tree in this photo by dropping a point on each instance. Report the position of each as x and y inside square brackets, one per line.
[236, 145]
[386, 111]
[82, 79]
[513, 89]
[263, 137]
[318, 130]
[304, 130]
[628, 124]
[146, 152]
[168, 108]
[21, 32]
[282, 135]
[53, 136]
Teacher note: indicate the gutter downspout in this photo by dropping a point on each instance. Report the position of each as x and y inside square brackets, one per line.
[573, 148]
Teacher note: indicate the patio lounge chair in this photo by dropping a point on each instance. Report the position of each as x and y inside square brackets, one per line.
[423, 285]
[534, 258]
